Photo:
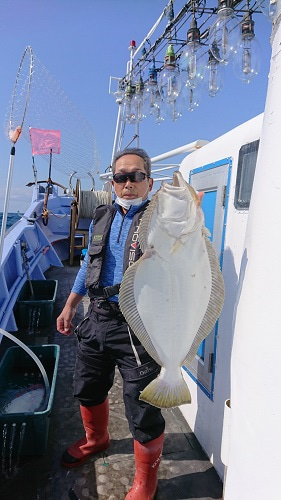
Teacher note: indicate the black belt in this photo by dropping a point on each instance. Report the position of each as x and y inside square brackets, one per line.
[105, 291]
[103, 306]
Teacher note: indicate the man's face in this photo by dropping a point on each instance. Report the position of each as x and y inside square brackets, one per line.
[131, 190]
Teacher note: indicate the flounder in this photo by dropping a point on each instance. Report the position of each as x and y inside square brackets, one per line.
[173, 295]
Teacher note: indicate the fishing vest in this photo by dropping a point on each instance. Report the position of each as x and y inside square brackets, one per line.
[102, 220]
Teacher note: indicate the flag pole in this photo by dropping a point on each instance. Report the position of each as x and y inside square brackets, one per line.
[7, 199]
[14, 136]
[50, 164]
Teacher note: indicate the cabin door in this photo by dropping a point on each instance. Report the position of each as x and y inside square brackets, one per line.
[213, 179]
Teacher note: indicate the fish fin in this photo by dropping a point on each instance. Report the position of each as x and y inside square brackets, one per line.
[161, 394]
[145, 223]
[130, 312]
[215, 304]
[206, 232]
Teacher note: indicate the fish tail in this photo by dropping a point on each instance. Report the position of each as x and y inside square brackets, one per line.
[161, 394]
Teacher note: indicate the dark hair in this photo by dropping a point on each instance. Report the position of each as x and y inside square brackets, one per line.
[133, 151]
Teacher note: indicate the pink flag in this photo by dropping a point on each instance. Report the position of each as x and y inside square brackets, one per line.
[43, 141]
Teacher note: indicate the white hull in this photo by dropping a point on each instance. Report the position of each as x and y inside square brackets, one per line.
[254, 452]
[205, 415]
[218, 159]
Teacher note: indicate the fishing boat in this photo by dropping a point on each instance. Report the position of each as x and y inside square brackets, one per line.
[234, 379]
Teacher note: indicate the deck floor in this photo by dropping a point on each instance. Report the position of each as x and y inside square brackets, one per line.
[185, 471]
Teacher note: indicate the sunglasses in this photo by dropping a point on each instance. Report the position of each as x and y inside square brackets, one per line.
[132, 176]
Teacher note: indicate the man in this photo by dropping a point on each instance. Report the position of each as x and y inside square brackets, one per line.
[105, 339]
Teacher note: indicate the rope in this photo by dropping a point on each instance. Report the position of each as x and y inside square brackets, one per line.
[58, 216]
[89, 200]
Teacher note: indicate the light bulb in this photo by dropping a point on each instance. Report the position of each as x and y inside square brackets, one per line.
[158, 114]
[193, 99]
[158, 109]
[151, 95]
[137, 108]
[190, 98]
[170, 84]
[214, 80]
[172, 110]
[224, 33]
[120, 92]
[126, 106]
[246, 64]
[170, 79]
[192, 63]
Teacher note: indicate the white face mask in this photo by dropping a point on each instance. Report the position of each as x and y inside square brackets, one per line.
[128, 203]
[123, 202]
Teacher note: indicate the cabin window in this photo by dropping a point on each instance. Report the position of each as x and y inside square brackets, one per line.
[213, 179]
[245, 174]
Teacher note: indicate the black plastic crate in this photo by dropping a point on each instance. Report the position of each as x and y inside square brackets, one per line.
[39, 308]
[17, 361]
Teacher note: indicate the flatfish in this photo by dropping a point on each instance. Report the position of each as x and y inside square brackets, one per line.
[173, 295]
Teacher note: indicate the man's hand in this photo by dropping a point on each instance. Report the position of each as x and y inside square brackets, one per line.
[64, 320]
[64, 324]
[200, 195]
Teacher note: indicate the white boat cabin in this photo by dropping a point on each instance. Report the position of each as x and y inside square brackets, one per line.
[224, 169]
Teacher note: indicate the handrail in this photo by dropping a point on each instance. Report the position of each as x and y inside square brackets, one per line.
[187, 148]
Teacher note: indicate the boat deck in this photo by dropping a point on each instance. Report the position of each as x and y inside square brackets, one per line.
[185, 471]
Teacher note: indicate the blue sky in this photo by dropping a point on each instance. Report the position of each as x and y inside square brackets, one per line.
[84, 42]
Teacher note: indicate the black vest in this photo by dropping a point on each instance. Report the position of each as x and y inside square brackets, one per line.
[102, 220]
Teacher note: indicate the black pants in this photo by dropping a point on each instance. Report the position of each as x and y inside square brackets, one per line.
[104, 342]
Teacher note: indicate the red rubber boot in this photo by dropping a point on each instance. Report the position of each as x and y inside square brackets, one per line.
[95, 421]
[147, 458]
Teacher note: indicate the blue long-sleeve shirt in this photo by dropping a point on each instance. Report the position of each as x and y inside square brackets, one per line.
[112, 269]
